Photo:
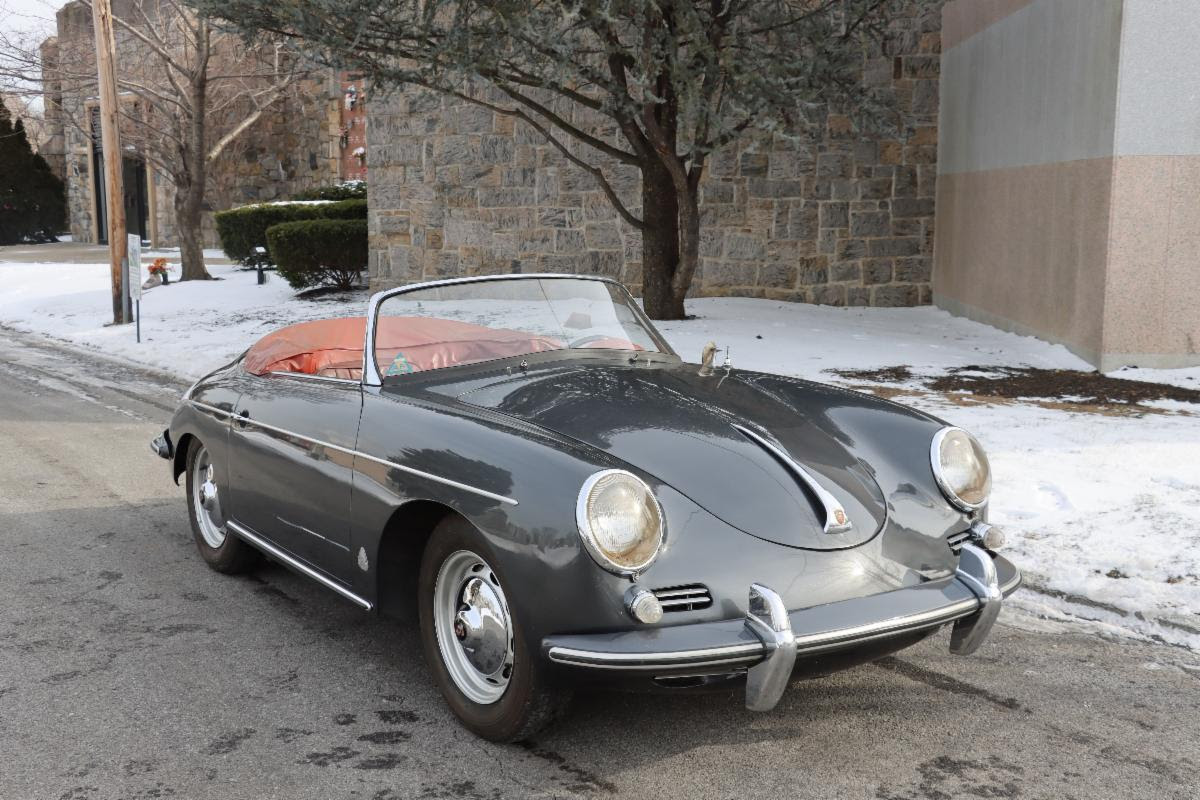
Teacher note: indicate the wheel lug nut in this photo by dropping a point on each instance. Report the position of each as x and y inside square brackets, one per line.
[460, 630]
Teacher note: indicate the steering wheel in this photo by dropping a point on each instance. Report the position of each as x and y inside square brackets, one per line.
[583, 341]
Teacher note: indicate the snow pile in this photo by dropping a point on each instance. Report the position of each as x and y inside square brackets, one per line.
[1102, 509]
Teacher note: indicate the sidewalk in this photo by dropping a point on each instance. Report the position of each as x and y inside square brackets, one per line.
[80, 253]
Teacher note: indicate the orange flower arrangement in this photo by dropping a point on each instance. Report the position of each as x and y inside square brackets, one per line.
[159, 268]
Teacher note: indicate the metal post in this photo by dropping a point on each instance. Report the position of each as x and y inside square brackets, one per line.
[137, 317]
[126, 306]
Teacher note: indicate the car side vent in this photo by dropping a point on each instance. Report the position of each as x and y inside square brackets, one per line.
[956, 540]
[692, 597]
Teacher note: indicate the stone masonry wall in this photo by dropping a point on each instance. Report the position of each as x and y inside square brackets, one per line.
[837, 217]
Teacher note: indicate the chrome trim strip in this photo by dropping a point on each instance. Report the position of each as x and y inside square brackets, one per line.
[325, 539]
[804, 643]
[871, 630]
[671, 594]
[307, 377]
[370, 372]
[499, 498]
[213, 409]
[691, 605]
[299, 566]
[833, 507]
[711, 656]
[359, 454]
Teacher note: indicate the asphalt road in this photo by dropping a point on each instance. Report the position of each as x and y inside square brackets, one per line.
[130, 670]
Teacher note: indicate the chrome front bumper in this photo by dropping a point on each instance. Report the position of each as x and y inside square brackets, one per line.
[767, 642]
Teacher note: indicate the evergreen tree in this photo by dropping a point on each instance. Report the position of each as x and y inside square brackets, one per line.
[32, 200]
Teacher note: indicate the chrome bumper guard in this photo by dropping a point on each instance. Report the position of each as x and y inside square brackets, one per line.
[770, 638]
[162, 446]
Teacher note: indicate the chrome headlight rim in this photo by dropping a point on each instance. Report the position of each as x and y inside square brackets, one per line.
[583, 524]
[935, 462]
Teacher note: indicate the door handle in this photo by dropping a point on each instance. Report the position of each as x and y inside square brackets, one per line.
[242, 417]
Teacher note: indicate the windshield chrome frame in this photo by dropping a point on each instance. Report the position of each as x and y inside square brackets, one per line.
[370, 371]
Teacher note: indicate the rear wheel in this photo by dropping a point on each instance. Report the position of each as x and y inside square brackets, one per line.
[473, 643]
[220, 550]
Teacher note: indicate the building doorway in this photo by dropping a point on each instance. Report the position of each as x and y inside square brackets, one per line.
[133, 176]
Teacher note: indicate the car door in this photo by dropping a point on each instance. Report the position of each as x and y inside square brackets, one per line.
[292, 465]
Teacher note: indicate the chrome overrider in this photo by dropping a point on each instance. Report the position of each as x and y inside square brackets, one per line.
[771, 638]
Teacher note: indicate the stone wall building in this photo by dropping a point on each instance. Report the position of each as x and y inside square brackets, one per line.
[291, 148]
[834, 216]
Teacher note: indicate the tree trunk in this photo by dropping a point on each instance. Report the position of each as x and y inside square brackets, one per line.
[188, 220]
[689, 246]
[660, 244]
[189, 195]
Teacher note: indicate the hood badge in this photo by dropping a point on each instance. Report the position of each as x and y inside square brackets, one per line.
[836, 519]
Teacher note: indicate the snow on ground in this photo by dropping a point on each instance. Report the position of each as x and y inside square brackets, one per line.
[187, 329]
[1102, 508]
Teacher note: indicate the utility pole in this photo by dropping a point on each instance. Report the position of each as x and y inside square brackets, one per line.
[110, 142]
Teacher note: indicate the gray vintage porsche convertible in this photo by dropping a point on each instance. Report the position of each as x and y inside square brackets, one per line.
[525, 462]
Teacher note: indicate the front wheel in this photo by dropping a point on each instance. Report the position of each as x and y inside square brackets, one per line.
[219, 549]
[474, 644]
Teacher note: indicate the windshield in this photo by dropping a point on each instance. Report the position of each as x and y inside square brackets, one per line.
[474, 321]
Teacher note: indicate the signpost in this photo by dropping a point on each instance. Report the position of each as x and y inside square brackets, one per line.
[133, 278]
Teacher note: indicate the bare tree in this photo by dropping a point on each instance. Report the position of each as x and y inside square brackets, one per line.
[188, 91]
[653, 85]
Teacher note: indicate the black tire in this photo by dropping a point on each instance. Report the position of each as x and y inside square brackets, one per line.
[529, 704]
[233, 556]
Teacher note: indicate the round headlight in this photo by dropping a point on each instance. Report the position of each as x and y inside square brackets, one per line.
[961, 468]
[619, 521]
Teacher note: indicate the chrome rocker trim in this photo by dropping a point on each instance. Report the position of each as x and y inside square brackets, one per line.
[770, 638]
[299, 566]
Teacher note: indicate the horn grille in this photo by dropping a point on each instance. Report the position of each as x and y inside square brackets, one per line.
[692, 597]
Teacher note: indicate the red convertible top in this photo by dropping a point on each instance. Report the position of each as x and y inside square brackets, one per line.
[334, 347]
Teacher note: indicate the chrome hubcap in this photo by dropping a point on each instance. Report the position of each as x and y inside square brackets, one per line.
[473, 627]
[207, 500]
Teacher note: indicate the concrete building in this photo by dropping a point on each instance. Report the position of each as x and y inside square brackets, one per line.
[1068, 190]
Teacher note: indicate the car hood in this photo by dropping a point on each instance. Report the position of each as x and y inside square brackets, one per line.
[682, 428]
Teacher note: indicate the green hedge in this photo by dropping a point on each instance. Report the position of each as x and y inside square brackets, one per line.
[319, 252]
[243, 230]
[350, 190]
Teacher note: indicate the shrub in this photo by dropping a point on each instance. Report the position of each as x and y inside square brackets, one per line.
[243, 230]
[350, 190]
[344, 209]
[319, 252]
[32, 202]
